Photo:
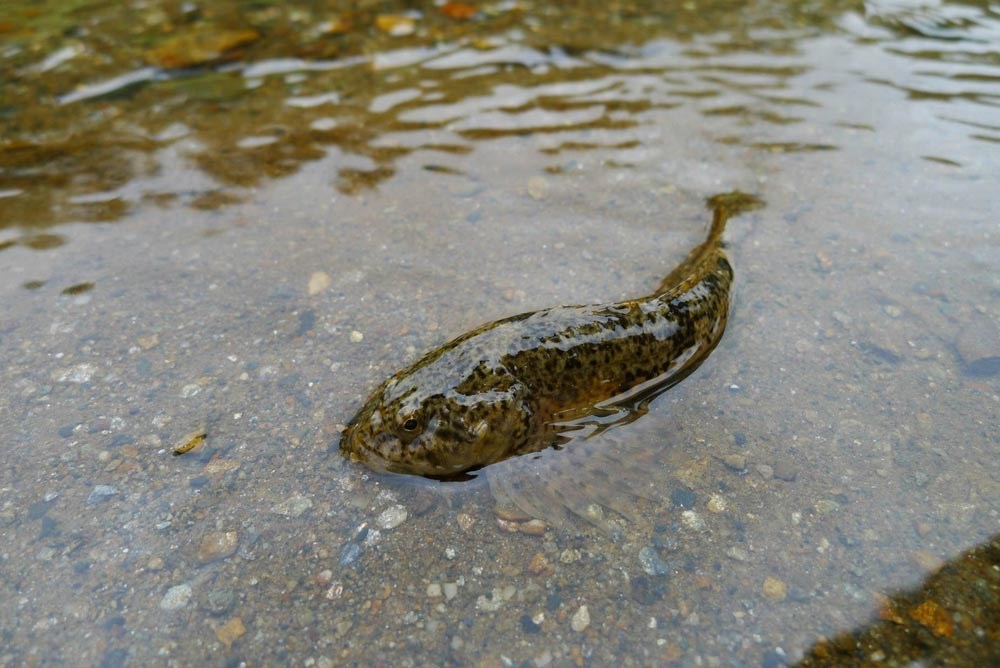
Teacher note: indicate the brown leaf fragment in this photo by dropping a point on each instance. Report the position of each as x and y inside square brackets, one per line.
[935, 618]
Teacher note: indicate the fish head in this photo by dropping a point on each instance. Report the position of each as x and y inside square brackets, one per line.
[403, 428]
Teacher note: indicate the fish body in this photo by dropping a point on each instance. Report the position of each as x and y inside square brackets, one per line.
[528, 382]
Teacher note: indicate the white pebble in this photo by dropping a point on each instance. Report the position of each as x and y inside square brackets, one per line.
[392, 517]
[357, 337]
[580, 620]
[176, 597]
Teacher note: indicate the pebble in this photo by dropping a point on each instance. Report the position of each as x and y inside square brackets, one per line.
[538, 188]
[319, 281]
[81, 373]
[774, 589]
[569, 556]
[826, 506]
[397, 25]
[357, 337]
[465, 521]
[683, 498]
[101, 493]
[230, 632]
[219, 602]
[217, 545]
[737, 553]
[392, 517]
[824, 261]
[580, 620]
[785, 470]
[539, 565]
[735, 462]
[176, 597]
[717, 504]
[766, 472]
[350, 554]
[652, 563]
[692, 520]
[528, 624]
[294, 506]
[434, 590]
[978, 345]
[450, 590]
[190, 390]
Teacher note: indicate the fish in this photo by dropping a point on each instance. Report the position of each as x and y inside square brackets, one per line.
[537, 381]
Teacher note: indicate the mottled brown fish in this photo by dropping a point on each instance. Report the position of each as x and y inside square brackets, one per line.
[531, 381]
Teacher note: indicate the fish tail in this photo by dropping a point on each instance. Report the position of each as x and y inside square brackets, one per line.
[723, 206]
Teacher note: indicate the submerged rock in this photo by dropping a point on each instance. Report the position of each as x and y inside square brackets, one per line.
[978, 345]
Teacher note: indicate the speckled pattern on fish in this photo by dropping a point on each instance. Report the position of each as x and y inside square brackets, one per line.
[525, 383]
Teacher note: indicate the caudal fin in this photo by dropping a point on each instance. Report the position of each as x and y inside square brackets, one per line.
[723, 206]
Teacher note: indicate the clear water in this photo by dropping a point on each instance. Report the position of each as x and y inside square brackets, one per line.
[250, 243]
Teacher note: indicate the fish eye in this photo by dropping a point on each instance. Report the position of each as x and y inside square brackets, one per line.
[410, 425]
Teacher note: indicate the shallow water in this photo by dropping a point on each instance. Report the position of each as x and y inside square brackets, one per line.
[250, 242]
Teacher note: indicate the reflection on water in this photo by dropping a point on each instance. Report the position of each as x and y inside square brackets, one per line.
[239, 218]
[89, 137]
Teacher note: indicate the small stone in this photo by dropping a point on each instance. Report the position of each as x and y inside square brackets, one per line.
[539, 564]
[717, 504]
[350, 554]
[81, 373]
[465, 521]
[580, 620]
[434, 590]
[735, 462]
[392, 517]
[397, 25]
[294, 506]
[538, 188]
[219, 601]
[528, 625]
[176, 597]
[569, 556]
[893, 311]
[190, 390]
[533, 527]
[692, 520]
[324, 577]
[774, 589]
[935, 618]
[978, 345]
[155, 564]
[652, 563]
[230, 632]
[766, 472]
[785, 470]
[357, 337]
[450, 590]
[319, 281]
[824, 261]
[737, 553]
[826, 506]
[101, 493]
[217, 545]
[683, 498]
